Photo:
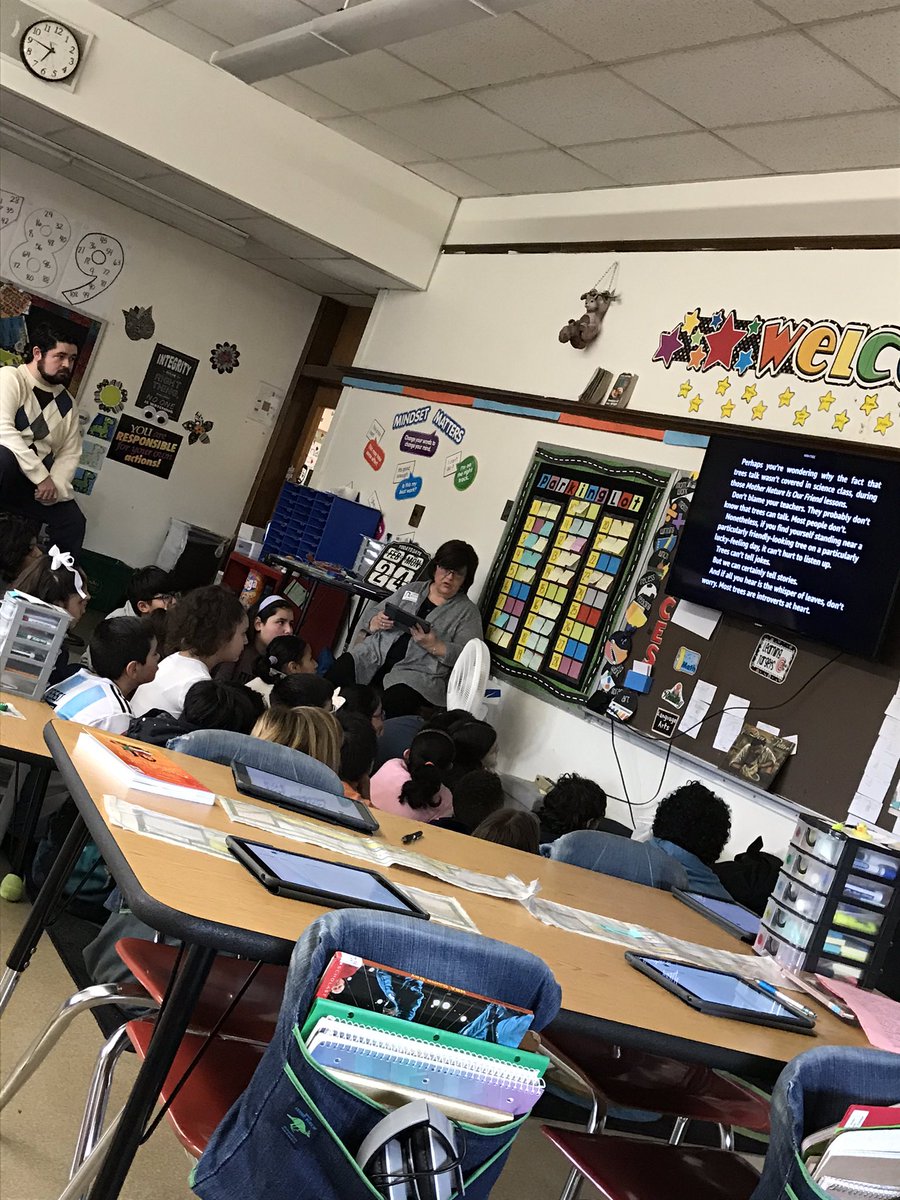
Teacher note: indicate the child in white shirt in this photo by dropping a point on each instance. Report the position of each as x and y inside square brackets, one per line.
[124, 657]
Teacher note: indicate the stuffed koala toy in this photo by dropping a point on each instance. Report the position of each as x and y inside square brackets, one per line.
[581, 332]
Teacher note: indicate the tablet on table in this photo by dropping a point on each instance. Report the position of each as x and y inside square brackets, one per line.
[309, 801]
[730, 915]
[318, 881]
[720, 994]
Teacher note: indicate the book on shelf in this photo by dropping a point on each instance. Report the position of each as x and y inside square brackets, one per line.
[144, 768]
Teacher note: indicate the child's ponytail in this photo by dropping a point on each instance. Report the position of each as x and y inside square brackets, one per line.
[430, 758]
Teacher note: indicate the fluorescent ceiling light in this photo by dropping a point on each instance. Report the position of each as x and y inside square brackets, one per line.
[120, 187]
[367, 26]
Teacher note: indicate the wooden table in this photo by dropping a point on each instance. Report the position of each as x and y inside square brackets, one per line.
[213, 904]
[23, 741]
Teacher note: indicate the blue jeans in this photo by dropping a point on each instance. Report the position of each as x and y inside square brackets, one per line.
[814, 1091]
[609, 854]
[294, 1133]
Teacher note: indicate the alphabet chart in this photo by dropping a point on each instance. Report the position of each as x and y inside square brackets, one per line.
[559, 577]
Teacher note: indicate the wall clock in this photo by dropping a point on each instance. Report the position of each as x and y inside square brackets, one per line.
[50, 50]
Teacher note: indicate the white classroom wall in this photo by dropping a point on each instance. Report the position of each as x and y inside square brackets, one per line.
[491, 321]
[200, 296]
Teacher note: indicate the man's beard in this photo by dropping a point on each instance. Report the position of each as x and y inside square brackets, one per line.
[63, 375]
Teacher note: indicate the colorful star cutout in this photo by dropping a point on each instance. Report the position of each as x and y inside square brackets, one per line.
[727, 409]
[883, 424]
[757, 410]
[755, 325]
[869, 404]
[685, 390]
[749, 392]
[695, 402]
[785, 398]
[840, 420]
[717, 318]
[722, 343]
[723, 385]
[826, 401]
[669, 345]
[691, 321]
[696, 337]
[697, 357]
[800, 415]
[743, 362]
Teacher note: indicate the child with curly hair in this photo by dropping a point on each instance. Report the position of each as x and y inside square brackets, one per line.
[206, 628]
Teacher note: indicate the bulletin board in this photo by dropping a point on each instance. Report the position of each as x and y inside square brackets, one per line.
[572, 543]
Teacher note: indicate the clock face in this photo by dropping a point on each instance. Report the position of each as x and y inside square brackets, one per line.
[50, 51]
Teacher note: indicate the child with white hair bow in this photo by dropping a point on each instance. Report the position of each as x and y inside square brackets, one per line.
[56, 579]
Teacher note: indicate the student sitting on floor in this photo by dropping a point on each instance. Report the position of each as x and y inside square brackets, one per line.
[284, 656]
[364, 699]
[269, 618]
[56, 579]
[208, 628]
[693, 825]
[475, 797]
[357, 754]
[514, 827]
[124, 656]
[413, 786]
[18, 547]
[149, 588]
[312, 731]
[303, 691]
[575, 802]
[208, 704]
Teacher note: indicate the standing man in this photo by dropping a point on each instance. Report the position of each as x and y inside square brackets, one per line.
[40, 443]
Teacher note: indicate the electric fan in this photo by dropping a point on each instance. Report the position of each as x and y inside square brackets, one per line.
[468, 679]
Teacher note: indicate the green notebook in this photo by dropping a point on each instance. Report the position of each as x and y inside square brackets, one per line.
[365, 1018]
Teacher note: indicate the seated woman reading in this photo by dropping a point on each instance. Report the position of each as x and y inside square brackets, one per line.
[413, 665]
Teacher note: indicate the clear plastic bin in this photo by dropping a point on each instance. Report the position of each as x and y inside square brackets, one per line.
[834, 968]
[788, 925]
[808, 870]
[824, 844]
[783, 952]
[839, 944]
[797, 896]
[867, 890]
[885, 866]
[849, 918]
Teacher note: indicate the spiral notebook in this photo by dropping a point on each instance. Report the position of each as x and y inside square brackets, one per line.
[479, 1079]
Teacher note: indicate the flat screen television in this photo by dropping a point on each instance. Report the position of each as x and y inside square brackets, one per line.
[806, 540]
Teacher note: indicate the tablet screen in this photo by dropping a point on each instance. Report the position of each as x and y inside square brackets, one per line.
[735, 913]
[338, 806]
[323, 876]
[717, 988]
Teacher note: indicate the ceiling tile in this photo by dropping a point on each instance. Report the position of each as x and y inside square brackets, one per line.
[763, 79]
[357, 274]
[485, 52]
[455, 127]
[370, 80]
[824, 143]
[182, 34]
[243, 20]
[290, 242]
[801, 11]
[380, 141]
[298, 97]
[257, 251]
[611, 30]
[871, 43]
[108, 153]
[534, 171]
[452, 180]
[676, 158]
[591, 105]
[127, 8]
[197, 195]
[29, 116]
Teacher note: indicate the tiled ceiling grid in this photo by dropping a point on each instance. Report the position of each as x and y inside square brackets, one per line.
[573, 94]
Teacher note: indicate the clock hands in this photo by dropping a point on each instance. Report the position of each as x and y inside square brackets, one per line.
[52, 50]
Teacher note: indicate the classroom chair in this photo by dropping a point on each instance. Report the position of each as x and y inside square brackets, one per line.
[813, 1091]
[618, 857]
[222, 746]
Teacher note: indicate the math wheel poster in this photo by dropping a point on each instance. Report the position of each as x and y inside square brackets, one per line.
[562, 570]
